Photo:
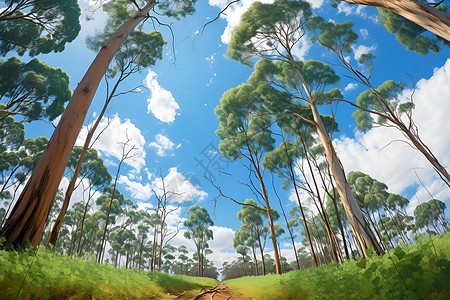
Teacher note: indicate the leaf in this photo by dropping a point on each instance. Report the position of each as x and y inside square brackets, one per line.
[399, 253]
[362, 263]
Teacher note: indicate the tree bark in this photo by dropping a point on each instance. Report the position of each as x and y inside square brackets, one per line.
[28, 216]
[76, 171]
[358, 224]
[417, 12]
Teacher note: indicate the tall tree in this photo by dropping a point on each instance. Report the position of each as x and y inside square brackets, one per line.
[139, 51]
[272, 30]
[421, 12]
[245, 136]
[29, 214]
[38, 26]
[199, 232]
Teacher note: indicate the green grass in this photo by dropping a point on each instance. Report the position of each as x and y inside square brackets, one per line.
[60, 277]
[421, 271]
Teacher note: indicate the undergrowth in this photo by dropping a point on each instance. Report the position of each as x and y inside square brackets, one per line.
[44, 275]
[420, 271]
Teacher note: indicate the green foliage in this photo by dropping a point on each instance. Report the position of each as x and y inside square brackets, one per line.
[263, 20]
[38, 26]
[411, 272]
[382, 101]
[54, 276]
[412, 36]
[33, 90]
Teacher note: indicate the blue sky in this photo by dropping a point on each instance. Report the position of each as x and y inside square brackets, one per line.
[173, 124]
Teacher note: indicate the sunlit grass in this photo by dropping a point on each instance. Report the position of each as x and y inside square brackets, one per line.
[61, 277]
[411, 272]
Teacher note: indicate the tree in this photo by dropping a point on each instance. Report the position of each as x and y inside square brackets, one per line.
[244, 135]
[94, 171]
[38, 26]
[31, 90]
[376, 105]
[198, 231]
[420, 12]
[127, 153]
[431, 215]
[272, 30]
[139, 51]
[252, 218]
[28, 216]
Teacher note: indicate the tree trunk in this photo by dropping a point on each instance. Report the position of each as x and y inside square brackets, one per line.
[255, 260]
[272, 228]
[263, 263]
[358, 224]
[28, 216]
[76, 171]
[308, 235]
[422, 14]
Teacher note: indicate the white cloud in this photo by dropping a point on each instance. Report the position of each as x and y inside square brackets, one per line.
[301, 48]
[364, 32]
[183, 188]
[223, 238]
[117, 131]
[163, 144]
[350, 87]
[233, 14]
[97, 17]
[161, 103]
[315, 3]
[138, 190]
[361, 49]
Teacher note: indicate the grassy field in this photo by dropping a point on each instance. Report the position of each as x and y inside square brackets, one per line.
[421, 271]
[48, 276]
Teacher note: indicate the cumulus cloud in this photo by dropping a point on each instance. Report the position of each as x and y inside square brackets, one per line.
[115, 133]
[161, 103]
[181, 185]
[163, 144]
[364, 32]
[350, 87]
[138, 190]
[233, 15]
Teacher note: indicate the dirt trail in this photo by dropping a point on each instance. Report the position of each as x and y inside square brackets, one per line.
[219, 292]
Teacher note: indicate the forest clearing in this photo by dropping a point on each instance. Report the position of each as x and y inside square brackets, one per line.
[224, 149]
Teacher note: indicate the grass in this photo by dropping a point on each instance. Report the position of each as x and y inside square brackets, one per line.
[48, 276]
[420, 271]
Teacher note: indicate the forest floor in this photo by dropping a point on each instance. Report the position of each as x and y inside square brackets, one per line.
[219, 292]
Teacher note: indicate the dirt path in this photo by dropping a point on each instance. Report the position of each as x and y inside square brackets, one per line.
[219, 292]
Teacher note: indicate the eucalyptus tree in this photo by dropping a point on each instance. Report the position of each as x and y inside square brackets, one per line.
[139, 51]
[35, 200]
[38, 26]
[245, 239]
[371, 195]
[94, 171]
[431, 214]
[429, 15]
[375, 106]
[199, 232]
[31, 91]
[253, 219]
[272, 30]
[244, 135]
[16, 166]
